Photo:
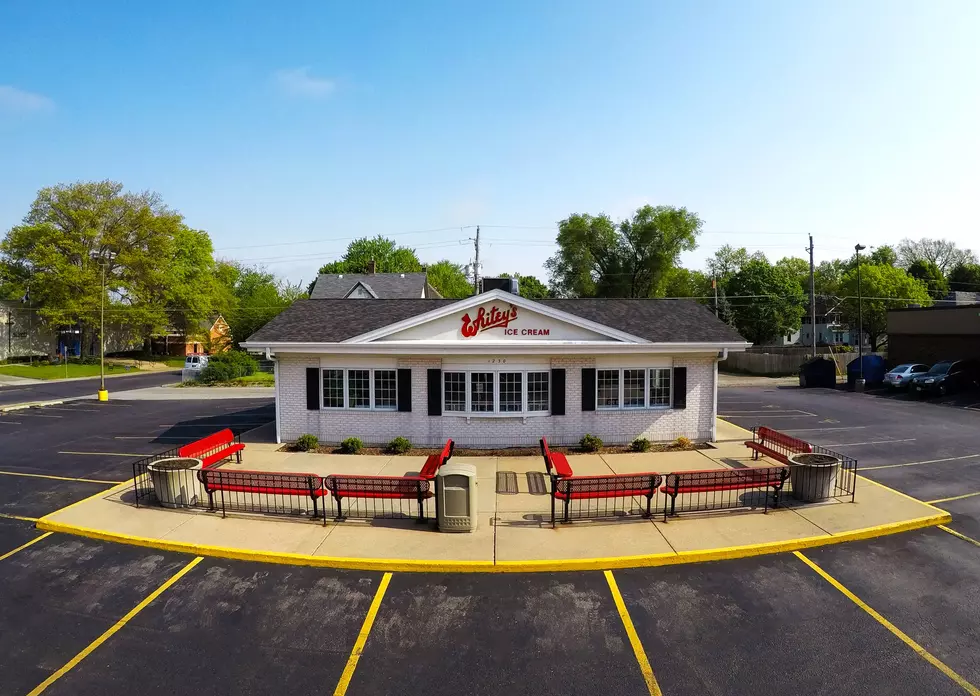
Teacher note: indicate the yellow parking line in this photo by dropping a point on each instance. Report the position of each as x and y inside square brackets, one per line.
[955, 497]
[5, 516]
[114, 628]
[24, 546]
[928, 461]
[964, 537]
[638, 650]
[358, 650]
[904, 637]
[57, 478]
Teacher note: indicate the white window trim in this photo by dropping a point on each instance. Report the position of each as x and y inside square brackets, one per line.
[496, 413]
[359, 409]
[647, 406]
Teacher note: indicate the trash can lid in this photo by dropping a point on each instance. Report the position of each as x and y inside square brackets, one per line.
[175, 464]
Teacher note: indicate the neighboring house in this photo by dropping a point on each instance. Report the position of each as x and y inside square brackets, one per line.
[960, 298]
[213, 336]
[23, 334]
[829, 329]
[373, 286]
[496, 369]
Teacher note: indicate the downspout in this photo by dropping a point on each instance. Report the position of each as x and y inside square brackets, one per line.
[275, 375]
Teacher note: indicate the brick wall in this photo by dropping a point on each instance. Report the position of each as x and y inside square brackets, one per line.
[380, 427]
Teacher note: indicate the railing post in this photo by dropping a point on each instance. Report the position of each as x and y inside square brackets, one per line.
[222, 501]
[554, 489]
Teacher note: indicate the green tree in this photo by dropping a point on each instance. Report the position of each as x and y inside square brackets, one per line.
[965, 277]
[798, 269]
[599, 258]
[251, 297]
[388, 257]
[942, 252]
[72, 231]
[882, 288]
[767, 301]
[727, 261]
[883, 255]
[683, 282]
[827, 277]
[930, 275]
[530, 287]
[448, 279]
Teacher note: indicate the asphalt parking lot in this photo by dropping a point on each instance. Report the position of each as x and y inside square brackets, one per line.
[80, 616]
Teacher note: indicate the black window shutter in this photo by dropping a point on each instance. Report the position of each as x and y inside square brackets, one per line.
[435, 392]
[557, 392]
[405, 389]
[312, 388]
[680, 387]
[588, 389]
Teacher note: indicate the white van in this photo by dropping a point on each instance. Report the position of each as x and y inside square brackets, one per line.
[195, 362]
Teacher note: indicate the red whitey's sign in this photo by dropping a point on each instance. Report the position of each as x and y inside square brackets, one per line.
[493, 318]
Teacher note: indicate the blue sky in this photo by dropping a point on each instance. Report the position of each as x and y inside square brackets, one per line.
[287, 123]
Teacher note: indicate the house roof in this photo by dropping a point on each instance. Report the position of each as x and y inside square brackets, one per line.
[384, 286]
[655, 320]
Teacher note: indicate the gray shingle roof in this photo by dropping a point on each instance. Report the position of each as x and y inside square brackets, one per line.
[332, 321]
[386, 286]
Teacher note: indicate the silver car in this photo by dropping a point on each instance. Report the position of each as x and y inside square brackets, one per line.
[900, 376]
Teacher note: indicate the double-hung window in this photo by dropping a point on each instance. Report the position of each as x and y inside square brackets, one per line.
[510, 392]
[360, 388]
[626, 388]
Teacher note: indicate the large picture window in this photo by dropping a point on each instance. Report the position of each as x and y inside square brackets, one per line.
[488, 393]
[633, 388]
[360, 388]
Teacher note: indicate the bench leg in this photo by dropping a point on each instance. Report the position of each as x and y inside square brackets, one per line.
[421, 502]
[211, 501]
[649, 503]
[238, 456]
[340, 509]
[552, 509]
[775, 495]
[568, 502]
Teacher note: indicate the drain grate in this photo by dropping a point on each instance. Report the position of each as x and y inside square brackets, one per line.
[537, 483]
[507, 482]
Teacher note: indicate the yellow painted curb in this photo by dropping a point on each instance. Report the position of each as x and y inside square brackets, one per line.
[569, 564]
[748, 433]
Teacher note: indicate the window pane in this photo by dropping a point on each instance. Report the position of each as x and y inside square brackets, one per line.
[384, 389]
[455, 391]
[481, 392]
[537, 391]
[358, 389]
[608, 388]
[660, 386]
[633, 388]
[511, 393]
[333, 388]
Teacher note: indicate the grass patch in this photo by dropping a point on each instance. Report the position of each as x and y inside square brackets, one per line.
[48, 371]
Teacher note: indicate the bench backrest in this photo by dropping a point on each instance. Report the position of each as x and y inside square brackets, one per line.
[212, 441]
[610, 486]
[794, 445]
[434, 461]
[266, 482]
[546, 453]
[750, 477]
[365, 486]
[555, 462]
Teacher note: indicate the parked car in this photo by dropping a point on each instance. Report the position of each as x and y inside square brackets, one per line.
[195, 362]
[899, 377]
[874, 370]
[946, 377]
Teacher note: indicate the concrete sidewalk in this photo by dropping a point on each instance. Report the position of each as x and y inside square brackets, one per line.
[514, 530]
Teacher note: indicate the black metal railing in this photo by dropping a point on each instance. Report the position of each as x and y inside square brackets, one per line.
[266, 492]
[812, 482]
[596, 497]
[142, 485]
[391, 497]
[723, 489]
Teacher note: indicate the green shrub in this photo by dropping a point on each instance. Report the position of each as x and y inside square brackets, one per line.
[307, 443]
[224, 367]
[590, 443]
[682, 442]
[400, 445]
[351, 445]
[640, 444]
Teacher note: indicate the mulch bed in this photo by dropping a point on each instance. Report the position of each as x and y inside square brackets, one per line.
[507, 452]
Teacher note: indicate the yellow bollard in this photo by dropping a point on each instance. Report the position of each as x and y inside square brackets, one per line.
[103, 395]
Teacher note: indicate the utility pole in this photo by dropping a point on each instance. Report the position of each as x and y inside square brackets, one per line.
[813, 305]
[476, 263]
[859, 384]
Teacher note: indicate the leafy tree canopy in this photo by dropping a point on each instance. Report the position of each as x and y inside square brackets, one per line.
[766, 301]
[388, 257]
[250, 297]
[930, 275]
[879, 285]
[599, 258]
[965, 278]
[449, 279]
[883, 255]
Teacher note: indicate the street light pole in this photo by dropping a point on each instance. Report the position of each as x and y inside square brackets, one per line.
[859, 384]
[103, 258]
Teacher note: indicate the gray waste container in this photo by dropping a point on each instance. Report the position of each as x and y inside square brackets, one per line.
[456, 498]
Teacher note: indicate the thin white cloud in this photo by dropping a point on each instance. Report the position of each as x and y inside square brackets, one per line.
[19, 101]
[298, 82]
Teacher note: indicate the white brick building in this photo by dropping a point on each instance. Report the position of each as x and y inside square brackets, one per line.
[496, 370]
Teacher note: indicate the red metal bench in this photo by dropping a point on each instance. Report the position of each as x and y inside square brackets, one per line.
[776, 445]
[267, 485]
[595, 488]
[418, 488]
[214, 448]
[555, 462]
[710, 481]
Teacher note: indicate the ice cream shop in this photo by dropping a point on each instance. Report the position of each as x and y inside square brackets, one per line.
[495, 370]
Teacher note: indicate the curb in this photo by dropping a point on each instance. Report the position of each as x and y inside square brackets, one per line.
[30, 404]
[570, 564]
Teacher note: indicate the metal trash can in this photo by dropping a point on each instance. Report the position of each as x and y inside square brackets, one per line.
[175, 481]
[456, 498]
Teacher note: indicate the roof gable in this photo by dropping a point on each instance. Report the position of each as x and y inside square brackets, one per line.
[387, 286]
